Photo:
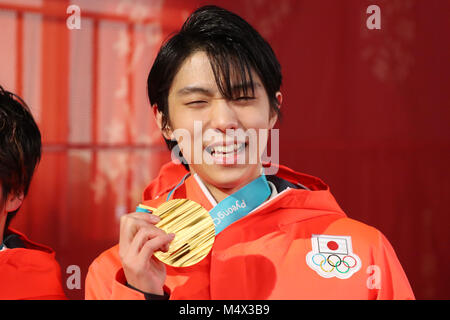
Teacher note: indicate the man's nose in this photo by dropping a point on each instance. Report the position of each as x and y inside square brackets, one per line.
[222, 116]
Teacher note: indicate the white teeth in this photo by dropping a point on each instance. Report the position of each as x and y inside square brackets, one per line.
[224, 149]
[227, 149]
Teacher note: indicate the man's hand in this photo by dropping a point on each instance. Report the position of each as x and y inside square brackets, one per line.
[139, 239]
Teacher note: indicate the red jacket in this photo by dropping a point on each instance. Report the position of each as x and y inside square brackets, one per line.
[298, 245]
[29, 273]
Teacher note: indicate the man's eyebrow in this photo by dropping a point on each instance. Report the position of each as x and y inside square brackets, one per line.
[193, 89]
[248, 85]
[235, 88]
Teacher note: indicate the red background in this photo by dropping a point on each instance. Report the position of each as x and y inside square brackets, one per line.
[365, 110]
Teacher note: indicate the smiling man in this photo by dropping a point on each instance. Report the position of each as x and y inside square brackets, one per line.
[277, 236]
[224, 110]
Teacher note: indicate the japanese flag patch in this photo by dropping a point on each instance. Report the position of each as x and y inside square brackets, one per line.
[333, 256]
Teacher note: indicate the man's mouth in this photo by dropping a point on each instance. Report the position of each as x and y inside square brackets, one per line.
[225, 150]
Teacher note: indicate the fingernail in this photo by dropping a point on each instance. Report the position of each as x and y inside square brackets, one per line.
[155, 218]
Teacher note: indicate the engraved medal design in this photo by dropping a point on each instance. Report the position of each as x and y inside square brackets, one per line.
[193, 227]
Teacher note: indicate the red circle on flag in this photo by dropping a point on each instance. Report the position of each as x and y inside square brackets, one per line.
[332, 245]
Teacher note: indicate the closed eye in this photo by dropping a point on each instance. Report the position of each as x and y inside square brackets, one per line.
[243, 100]
[196, 102]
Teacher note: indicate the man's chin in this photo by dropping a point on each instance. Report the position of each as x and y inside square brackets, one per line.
[228, 176]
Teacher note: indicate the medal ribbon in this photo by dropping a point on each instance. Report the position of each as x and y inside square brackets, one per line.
[235, 206]
[240, 203]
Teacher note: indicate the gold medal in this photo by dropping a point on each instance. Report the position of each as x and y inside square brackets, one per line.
[194, 231]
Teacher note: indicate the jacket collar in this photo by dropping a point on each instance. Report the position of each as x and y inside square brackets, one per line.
[19, 240]
[318, 200]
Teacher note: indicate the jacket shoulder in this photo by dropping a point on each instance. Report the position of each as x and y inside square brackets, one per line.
[357, 228]
[30, 274]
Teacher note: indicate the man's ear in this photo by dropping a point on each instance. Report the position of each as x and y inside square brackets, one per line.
[273, 114]
[14, 201]
[166, 132]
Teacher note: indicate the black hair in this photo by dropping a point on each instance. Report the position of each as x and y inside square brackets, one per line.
[20, 147]
[234, 49]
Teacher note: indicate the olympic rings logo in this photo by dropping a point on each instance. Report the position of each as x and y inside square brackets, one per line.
[334, 261]
[333, 256]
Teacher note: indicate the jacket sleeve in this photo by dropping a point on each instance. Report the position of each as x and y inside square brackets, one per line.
[387, 276]
[95, 288]
[104, 282]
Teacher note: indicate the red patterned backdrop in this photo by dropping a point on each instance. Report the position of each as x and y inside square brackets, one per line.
[366, 110]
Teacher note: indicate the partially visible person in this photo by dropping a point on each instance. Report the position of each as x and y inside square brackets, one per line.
[28, 270]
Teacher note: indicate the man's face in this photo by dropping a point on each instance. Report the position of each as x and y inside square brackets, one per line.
[195, 102]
